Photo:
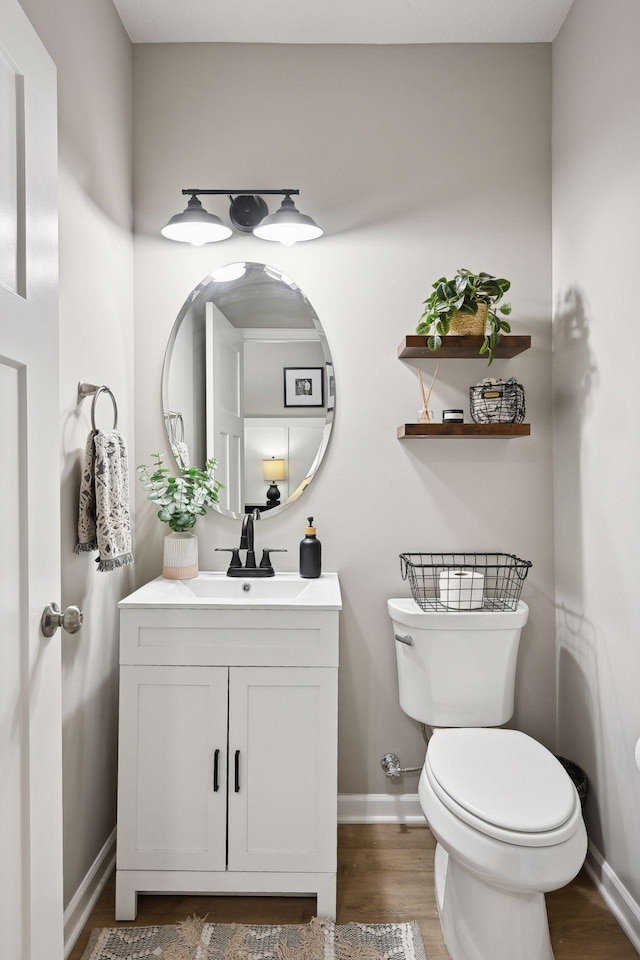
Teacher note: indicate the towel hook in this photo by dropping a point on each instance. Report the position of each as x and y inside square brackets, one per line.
[86, 389]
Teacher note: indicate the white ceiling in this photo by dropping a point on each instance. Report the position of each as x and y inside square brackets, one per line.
[342, 21]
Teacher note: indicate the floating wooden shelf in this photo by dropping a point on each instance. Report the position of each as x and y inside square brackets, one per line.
[448, 430]
[460, 348]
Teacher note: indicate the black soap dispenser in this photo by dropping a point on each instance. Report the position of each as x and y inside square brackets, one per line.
[310, 553]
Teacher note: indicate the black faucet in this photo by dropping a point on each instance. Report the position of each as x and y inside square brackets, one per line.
[246, 540]
[250, 569]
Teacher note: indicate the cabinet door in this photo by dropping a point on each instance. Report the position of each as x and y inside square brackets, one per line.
[172, 783]
[282, 745]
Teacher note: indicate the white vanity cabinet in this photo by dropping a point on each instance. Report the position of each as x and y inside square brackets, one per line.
[227, 743]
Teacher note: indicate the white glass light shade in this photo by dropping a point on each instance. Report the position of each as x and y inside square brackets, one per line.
[194, 225]
[273, 470]
[287, 226]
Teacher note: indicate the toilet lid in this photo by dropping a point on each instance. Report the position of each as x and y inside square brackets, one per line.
[502, 777]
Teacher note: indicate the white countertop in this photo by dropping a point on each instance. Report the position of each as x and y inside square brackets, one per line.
[215, 590]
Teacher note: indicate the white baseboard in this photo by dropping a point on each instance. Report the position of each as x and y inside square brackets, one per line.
[380, 808]
[86, 896]
[614, 893]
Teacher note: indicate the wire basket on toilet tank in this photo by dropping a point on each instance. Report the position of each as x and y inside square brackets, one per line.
[465, 581]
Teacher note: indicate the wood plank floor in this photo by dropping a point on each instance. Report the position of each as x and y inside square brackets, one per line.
[385, 875]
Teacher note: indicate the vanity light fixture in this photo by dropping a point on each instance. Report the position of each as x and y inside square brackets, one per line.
[248, 213]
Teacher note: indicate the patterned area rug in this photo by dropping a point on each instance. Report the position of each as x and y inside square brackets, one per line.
[194, 939]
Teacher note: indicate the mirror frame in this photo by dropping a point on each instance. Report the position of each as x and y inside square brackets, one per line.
[191, 299]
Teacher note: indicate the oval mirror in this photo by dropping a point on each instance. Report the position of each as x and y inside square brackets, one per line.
[248, 380]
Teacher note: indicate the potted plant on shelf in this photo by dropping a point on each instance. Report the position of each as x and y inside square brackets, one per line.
[467, 304]
[182, 500]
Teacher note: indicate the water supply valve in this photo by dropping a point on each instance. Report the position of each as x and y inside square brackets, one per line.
[390, 763]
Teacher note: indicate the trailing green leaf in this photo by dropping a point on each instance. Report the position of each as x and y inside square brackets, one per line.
[469, 306]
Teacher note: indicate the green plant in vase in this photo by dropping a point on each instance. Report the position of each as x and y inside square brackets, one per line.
[455, 301]
[181, 499]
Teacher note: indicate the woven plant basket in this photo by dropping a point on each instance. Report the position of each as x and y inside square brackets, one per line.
[466, 324]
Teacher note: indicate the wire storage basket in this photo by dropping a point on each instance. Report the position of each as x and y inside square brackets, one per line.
[465, 581]
[497, 401]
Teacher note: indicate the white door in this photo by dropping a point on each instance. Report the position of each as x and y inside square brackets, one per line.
[225, 405]
[30, 714]
[172, 768]
[282, 768]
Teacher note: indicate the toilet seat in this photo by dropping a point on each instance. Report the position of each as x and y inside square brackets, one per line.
[503, 784]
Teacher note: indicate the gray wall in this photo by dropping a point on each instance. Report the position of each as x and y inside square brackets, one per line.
[93, 56]
[596, 243]
[416, 160]
[264, 364]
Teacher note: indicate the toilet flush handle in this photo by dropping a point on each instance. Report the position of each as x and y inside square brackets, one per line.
[406, 639]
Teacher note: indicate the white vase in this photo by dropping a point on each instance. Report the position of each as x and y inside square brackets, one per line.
[180, 560]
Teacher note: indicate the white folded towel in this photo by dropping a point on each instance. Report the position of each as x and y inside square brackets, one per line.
[104, 522]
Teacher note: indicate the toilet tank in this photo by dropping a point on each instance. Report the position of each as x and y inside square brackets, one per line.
[456, 669]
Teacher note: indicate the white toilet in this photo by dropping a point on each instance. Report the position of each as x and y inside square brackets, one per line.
[504, 812]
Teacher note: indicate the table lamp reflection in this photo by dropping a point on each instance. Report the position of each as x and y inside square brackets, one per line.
[273, 470]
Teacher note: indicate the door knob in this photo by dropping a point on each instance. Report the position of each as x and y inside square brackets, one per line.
[70, 620]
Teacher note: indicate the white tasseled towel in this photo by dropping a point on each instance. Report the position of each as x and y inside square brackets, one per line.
[180, 451]
[104, 522]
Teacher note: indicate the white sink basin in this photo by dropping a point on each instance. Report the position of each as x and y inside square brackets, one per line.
[213, 586]
[284, 591]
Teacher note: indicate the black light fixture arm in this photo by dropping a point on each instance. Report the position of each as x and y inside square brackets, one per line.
[229, 193]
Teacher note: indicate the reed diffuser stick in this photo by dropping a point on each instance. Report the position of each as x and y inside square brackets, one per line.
[426, 402]
[424, 396]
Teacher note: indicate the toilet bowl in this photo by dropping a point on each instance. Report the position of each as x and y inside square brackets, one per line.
[508, 825]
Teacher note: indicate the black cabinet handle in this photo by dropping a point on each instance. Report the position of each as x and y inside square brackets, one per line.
[216, 757]
[237, 771]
